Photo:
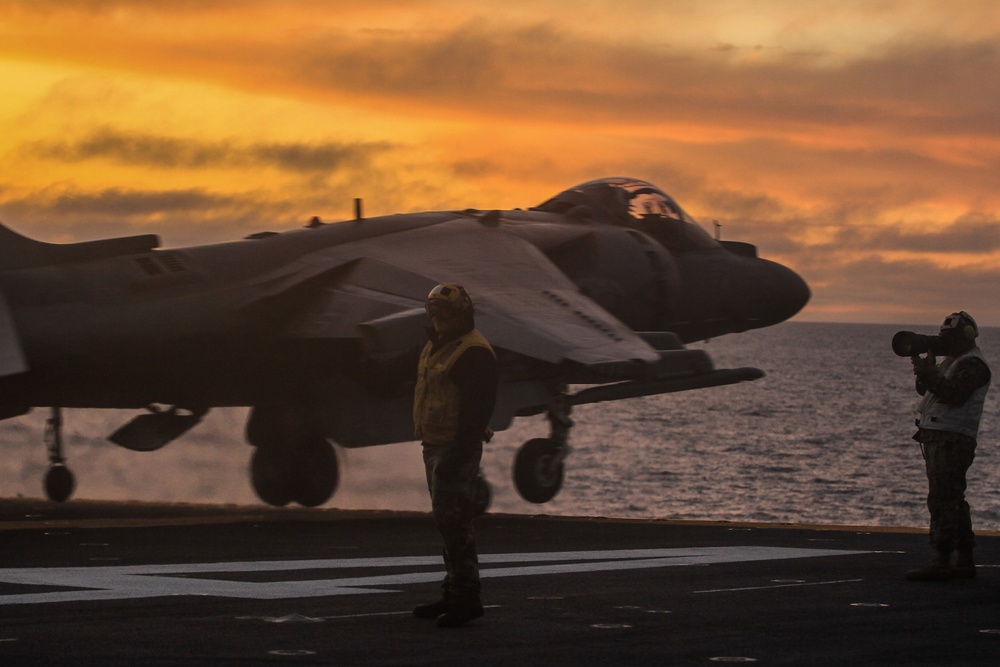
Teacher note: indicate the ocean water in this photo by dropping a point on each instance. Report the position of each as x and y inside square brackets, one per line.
[823, 438]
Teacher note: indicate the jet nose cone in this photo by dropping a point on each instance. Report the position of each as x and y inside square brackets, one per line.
[791, 293]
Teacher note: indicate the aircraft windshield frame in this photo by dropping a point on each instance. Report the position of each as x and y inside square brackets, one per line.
[638, 204]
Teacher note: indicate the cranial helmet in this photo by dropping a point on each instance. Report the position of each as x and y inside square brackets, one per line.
[450, 296]
[960, 324]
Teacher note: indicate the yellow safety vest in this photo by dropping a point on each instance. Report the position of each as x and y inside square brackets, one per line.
[436, 398]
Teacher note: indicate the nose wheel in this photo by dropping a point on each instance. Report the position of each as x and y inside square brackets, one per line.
[59, 481]
[538, 470]
[538, 466]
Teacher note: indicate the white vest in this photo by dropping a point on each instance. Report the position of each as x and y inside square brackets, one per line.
[936, 415]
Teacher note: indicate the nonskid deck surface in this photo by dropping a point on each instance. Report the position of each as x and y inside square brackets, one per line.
[128, 583]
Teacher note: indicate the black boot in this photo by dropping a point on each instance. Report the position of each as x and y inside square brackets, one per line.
[937, 569]
[432, 610]
[965, 565]
[461, 611]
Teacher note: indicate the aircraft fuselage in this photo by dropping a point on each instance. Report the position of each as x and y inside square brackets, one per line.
[194, 326]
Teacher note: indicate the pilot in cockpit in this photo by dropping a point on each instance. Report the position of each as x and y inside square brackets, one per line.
[658, 216]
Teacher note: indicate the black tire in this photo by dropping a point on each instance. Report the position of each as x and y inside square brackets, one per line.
[535, 476]
[59, 483]
[270, 475]
[292, 463]
[317, 473]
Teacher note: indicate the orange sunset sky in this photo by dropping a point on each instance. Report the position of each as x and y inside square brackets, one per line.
[856, 141]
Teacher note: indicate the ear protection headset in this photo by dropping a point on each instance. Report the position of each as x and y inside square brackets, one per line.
[963, 323]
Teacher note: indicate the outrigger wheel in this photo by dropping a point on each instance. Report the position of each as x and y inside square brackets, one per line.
[59, 481]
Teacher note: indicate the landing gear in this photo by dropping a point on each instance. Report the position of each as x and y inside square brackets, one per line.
[59, 481]
[304, 472]
[292, 462]
[538, 466]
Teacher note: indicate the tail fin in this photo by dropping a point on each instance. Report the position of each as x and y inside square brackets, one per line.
[21, 252]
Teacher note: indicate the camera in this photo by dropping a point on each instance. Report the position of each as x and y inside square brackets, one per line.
[910, 344]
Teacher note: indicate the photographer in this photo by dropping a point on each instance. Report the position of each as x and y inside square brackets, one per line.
[954, 392]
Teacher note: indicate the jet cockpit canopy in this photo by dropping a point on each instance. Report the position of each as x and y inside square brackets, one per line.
[632, 203]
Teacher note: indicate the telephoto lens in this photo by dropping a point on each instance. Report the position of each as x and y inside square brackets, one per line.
[910, 344]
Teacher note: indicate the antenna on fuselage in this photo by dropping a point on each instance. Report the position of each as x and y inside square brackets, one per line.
[718, 230]
[357, 208]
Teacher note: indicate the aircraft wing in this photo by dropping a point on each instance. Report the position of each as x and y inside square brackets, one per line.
[375, 290]
[523, 302]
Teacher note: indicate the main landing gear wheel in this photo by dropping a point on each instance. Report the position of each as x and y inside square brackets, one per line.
[270, 476]
[306, 474]
[318, 473]
[538, 470]
[292, 462]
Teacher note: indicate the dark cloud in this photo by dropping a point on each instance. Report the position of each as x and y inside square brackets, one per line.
[172, 153]
[973, 234]
[108, 203]
[479, 66]
[181, 217]
[122, 203]
[198, 215]
[945, 87]
[462, 64]
[542, 71]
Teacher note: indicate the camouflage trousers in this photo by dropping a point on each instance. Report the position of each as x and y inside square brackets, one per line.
[452, 472]
[948, 457]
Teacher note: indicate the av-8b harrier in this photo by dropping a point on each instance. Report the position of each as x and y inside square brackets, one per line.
[588, 297]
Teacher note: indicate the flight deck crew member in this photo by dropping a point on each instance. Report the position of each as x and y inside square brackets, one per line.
[954, 392]
[453, 402]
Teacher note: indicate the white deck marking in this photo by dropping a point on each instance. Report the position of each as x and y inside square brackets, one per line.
[121, 582]
[773, 586]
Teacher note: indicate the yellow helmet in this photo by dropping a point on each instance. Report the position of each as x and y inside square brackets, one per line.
[451, 297]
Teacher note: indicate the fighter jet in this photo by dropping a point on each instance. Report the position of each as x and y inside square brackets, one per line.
[588, 297]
